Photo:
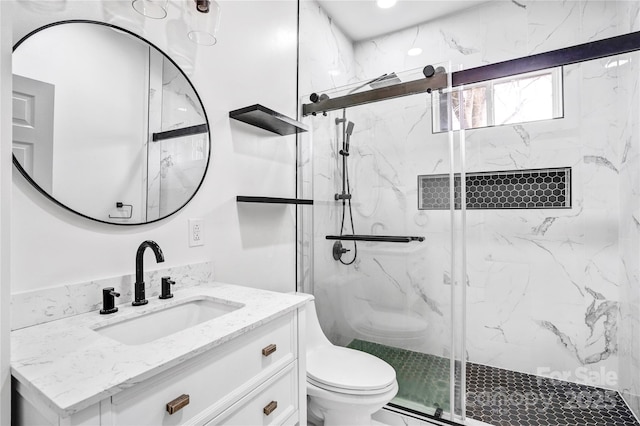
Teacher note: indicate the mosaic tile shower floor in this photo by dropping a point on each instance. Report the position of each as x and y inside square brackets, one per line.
[500, 397]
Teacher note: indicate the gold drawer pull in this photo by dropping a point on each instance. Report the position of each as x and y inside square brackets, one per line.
[270, 408]
[269, 350]
[178, 404]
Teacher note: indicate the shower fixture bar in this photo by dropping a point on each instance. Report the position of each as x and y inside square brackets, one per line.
[437, 81]
[598, 49]
[566, 56]
[375, 238]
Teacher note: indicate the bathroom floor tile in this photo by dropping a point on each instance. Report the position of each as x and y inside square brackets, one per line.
[497, 396]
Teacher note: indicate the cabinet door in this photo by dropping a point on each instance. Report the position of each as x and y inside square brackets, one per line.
[273, 403]
[213, 381]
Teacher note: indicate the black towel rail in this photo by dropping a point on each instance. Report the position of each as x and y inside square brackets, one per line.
[376, 238]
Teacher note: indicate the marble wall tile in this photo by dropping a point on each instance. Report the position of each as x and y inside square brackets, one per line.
[326, 63]
[52, 303]
[629, 317]
[548, 290]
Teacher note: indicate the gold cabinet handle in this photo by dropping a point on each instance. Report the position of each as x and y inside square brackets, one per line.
[270, 407]
[178, 404]
[269, 350]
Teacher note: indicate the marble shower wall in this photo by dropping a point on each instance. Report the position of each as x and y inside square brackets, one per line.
[629, 111]
[546, 288]
[176, 166]
[326, 62]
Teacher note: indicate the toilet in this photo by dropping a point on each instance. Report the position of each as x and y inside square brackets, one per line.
[344, 386]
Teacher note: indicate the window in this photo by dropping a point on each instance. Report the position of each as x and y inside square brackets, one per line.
[510, 100]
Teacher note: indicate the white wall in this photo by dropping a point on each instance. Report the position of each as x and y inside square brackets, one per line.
[5, 210]
[253, 62]
[629, 111]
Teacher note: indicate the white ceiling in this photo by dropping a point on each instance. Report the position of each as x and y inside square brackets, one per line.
[363, 19]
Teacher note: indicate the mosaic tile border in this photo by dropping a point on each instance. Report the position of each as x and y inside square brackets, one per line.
[548, 188]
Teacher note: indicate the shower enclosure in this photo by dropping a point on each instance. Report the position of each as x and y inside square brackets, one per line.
[483, 240]
[373, 297]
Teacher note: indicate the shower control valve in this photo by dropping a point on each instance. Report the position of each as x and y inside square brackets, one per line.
[343, 196]
[338, 250]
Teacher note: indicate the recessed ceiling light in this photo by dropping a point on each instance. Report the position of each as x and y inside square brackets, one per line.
[386, 4]
[414, 51]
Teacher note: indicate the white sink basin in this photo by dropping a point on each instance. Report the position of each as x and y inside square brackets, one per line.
[163, 322]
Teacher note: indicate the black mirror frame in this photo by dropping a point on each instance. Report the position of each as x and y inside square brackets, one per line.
[50, 196]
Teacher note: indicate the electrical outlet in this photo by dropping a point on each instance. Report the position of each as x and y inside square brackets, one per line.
[196, 232]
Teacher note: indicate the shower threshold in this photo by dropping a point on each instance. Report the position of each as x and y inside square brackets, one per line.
[496, 396]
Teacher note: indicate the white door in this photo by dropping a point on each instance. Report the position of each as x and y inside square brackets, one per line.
[33, 129]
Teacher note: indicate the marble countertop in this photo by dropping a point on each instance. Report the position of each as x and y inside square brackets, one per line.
[71, 366]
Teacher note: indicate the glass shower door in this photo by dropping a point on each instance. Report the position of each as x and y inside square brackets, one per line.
[389, 298]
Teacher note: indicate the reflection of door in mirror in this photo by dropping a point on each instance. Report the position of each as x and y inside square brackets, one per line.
[100, 128]
[33, 128]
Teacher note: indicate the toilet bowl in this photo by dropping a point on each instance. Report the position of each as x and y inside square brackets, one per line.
[344, 386]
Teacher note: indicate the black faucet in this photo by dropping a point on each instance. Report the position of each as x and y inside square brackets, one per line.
[108, 301]
[165, 288]
[139, 296]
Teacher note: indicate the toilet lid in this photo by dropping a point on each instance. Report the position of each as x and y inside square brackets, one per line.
[345, 368]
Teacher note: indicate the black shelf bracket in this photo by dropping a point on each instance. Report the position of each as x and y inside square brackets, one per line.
[268, 119]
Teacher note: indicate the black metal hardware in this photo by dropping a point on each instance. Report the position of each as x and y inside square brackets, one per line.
[120, 205]
[343, 196]
[108, 301]
[272, 200]
[165, 288]
[267, 119]
[437, 81]
[555, 58]
[202, 6]
[438, 413]
[314, 97]
[338, 250]
[139, 291]
[611, 46]
[178, 133]
[375, 238]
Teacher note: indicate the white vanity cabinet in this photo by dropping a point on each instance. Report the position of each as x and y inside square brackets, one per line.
[256, 378]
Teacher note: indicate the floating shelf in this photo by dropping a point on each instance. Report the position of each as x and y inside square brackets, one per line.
[271, 200]
[375, 238]
[267, 119]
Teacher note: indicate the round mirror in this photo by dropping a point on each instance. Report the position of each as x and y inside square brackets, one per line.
[105, 124]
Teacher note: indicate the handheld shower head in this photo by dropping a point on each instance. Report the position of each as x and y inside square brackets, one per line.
[348, 132]
[350, 126]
